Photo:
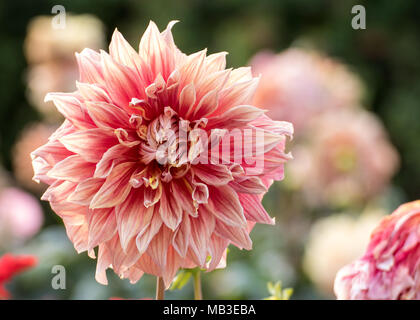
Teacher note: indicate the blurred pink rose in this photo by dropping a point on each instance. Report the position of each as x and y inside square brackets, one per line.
[345, 158]
[390, 267]
[297, 84]
[21, 216]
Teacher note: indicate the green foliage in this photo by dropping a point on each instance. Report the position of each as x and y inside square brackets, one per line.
[181, 279]
[277, 293]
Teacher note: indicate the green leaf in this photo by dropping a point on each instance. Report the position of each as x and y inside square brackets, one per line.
[181, 280]
[277, 293]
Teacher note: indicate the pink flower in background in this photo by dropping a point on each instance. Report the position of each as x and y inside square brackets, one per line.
[390, 267]
[50, 56]
[32, 137]
[346, 158]
[21, 216]
[296, 85]
[129, 170]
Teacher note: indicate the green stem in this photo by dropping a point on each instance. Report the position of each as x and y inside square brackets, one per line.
[198, 295]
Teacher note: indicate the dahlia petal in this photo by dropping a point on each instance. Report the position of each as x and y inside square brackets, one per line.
[240, 93]
[158, 247]
[110, 158]
[107, 116]
[173, 263]
[257, 141]
[123, 260]
[121, 81]
[179, 57]
[90, 70]
[90, 144]
[146, 264]
[254, 210]
[217, 248]
[150, 226]
[216, 61]
[238, 236]
[278, 127]
[200, 193]
[170, 209]
[134, 274]
[121, 51]
[92, 92]
[235, 117]
[71, 213]
[187, 99]
[41, 168]
[115, 188]
[71, 108]
[206, 106]
[252, 185]
[213, 82]
[126, 138]
[193, 68]
[78, 235]
[181, 238]
[59, 191]
[152, 196]
[225, 205]
[73, 168]
[102, 226]
[213, 174]
[85, 191]
[241, 74]
[129, 215]
[52, 152]
[200, 235]
[154, 51]
[103, 263]
[184, 195]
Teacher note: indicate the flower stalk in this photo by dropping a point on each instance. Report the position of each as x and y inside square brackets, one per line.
[198, 295]
[160, 289]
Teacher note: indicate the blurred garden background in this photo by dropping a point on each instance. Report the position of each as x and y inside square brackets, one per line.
[353, 96]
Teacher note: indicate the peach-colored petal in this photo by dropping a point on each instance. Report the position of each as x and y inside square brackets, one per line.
[90, 144]
[102, 226]
[107, 116]
[115, 188]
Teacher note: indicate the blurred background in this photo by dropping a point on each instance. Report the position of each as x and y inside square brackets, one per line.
[353, 96]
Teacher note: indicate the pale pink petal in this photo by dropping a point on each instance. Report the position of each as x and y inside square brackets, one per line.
[115, 188]
[225, 205]
[102, 226]
[89, 144]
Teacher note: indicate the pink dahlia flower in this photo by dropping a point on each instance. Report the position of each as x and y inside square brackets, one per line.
[390, 267]
[297, 85]
[161, 161]
[346, 158]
